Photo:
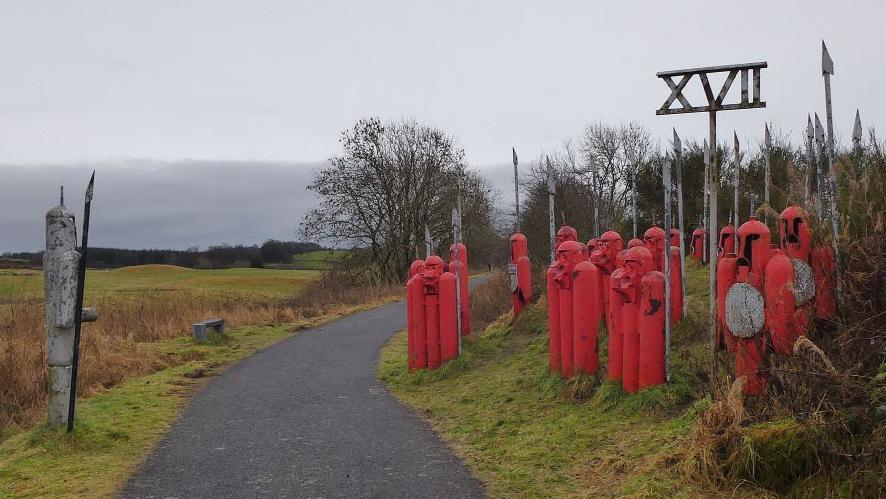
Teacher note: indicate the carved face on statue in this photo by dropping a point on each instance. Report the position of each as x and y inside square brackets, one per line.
[753, 251]
[417, 267]
[605, 254]
[433, 267]
[675, 237]
[566, 233]
[568, 255]
[654, 240]
[697, 243]
[727, 240]
[794, 235]
[637, 261]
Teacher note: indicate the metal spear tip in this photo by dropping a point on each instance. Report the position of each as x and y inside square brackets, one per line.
[856, 128]
[819, 130]
[827, 64]
[766, 137]
[678, 146]
[809, 128]
[514, 152]
[735, 140]
[89, 187]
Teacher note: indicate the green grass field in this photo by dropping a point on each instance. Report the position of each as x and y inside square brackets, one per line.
[526, 433]
[249, 282]
[316, 260]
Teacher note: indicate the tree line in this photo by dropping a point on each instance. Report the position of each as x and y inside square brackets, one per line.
[599, 167]
[215, 257]
[394, 178]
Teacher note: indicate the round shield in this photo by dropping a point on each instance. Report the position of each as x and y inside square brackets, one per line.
[804, 283]
[744, 310]
[512, 274]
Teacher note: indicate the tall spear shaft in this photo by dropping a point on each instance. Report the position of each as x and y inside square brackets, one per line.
[78, 304]
[713, 188]
[827, 69]
[810, 160]
[819, 167]
[856, 141]
[551, 232]
[737, 166]
[427, 242]
[594, 198]
[634, 199]
[678, 152]
[516, 191]
[456, 239]
[666, 188]
[706, 197]
[767, 145]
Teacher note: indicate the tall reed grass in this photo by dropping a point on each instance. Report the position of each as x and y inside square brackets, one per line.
[818, 430]
[118, 345]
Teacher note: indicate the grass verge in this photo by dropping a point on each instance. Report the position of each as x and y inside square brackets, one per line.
[526, 433]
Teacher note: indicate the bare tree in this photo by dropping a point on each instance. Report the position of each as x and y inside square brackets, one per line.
[389, 182]
[616, 153]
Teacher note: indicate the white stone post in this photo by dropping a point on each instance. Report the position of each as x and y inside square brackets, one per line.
[60, 263]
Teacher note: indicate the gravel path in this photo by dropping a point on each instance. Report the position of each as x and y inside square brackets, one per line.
[305, 418]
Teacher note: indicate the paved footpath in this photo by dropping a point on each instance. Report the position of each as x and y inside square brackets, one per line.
[305, 418]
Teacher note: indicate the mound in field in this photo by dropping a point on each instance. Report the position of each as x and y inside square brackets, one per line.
[153, 268]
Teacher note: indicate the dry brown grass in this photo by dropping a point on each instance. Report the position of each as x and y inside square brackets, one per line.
[118, 346]
[334, 290]
[818, 430]
[490, 300]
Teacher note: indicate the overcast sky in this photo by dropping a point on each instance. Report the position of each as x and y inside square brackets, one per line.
[103, 83]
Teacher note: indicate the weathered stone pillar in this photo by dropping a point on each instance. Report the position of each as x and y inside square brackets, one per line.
[60, 263]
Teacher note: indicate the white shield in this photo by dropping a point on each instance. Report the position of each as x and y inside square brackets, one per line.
[744, 310]
[804, 283]
[512, 273]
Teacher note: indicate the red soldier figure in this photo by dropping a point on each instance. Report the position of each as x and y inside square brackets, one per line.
[565, 233]
[654, 240]
[625, 283]
[520, 271]
[605, 257]
[744, 309]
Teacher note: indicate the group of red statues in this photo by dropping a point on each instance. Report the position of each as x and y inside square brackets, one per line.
[771, 288]
[767, 295]
[431, 309]
[588, 282]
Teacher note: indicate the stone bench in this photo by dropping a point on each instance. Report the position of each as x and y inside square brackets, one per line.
[200, 328]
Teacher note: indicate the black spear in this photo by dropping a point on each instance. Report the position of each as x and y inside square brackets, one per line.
[78, 310]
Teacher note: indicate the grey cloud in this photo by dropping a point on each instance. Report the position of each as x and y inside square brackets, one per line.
[141, 204]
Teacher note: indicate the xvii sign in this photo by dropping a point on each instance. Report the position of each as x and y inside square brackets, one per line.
[749, 70]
